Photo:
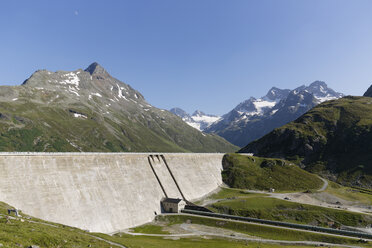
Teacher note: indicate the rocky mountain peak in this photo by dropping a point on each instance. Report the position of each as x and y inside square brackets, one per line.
[321, 91]
[180, 112]
[368, 92]
[95, 68]
[276, 94]
[318, 84]
[198, 113]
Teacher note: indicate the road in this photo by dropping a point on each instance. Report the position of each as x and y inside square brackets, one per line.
[325, 185]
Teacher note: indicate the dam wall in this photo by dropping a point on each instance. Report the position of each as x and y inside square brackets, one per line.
[103, 192]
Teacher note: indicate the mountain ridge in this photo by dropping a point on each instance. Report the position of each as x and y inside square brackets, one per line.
[253, 118]
[368, 92]
[89, 110]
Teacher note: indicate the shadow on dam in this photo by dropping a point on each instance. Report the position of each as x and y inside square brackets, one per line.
[164, 174]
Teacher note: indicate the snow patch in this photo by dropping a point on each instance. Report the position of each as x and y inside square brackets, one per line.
[261, 104]
[73, 90]
[274, 111]
[71, 79]
[326, 98]
[77, 115]
[120, 91]
[97, 94]
[206, 118]
[194, 125]
[74, 145]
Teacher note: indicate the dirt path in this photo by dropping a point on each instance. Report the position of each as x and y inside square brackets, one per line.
[105, 240]
[325, 185]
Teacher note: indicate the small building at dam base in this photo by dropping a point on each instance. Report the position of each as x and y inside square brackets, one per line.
[173, 205]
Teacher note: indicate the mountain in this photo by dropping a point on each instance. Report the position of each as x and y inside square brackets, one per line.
[333, 139]
[198, 119]
[254, 118]
[89, 110]
[368, 92]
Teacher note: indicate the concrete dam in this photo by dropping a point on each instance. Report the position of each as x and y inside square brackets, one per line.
[104, 192]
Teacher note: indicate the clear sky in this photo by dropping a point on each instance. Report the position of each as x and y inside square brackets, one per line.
[194, 54]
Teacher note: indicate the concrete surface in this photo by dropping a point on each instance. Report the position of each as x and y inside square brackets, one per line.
[101, 192]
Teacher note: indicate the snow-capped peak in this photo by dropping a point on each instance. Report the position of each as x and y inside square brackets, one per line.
[198, 119]
[321, 91]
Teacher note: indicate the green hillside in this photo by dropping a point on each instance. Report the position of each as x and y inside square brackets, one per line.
[333, 139]
[92, 111]
[263, 207]
[249, 172]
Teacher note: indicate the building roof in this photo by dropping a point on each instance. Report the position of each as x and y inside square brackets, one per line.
[172, 200]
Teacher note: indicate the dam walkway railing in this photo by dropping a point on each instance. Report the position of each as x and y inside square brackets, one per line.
[282, 224]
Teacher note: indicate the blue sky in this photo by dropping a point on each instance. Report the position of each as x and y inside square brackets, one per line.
[194, 54]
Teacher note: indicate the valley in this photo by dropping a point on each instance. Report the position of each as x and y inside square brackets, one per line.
[205, 124]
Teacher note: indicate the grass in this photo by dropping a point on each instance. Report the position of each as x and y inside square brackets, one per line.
[149, 228]
[226, 193]
[282, 210]
[18, 233]
[254, 230]
[200, 242]
[249, 172]
[349, 194]
[262, 231]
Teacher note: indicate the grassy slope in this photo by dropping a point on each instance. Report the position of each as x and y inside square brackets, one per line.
[266, 232]
[32, 127]
[248, 172]
[256, 206]
[349, 194]
[254, 230]
[200, 242]
[334, 137]
[20, 232]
